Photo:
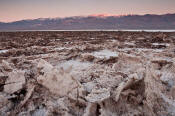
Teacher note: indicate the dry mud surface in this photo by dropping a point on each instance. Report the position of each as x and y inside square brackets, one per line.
[87, 74]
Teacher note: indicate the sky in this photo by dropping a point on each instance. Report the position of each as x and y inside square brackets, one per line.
[13, 10]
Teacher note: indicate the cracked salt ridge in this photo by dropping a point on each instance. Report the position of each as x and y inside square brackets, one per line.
[163, 44]
[3, 51]
[75, 64]
[142, 49]
[62, 48]
[105, 54]
[130, 43]
[154, 50]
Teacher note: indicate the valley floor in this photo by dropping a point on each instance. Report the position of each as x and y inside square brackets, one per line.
[87, 73]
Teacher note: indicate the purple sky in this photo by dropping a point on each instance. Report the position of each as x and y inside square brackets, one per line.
[12, 10]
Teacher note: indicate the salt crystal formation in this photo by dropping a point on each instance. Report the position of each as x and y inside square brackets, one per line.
[70, 74]
[57, 82]
[14, 82]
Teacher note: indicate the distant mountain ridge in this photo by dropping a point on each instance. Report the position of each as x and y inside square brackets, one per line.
[149, 21]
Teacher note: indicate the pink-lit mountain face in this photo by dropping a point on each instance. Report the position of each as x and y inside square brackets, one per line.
[104, 15]
[102, 21]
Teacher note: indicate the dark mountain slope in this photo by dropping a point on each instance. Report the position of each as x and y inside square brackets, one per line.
[148, 21]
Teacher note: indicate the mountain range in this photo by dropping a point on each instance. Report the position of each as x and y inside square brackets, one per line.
[102, 22]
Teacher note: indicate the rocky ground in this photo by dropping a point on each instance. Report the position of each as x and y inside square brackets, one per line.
[87, 74]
